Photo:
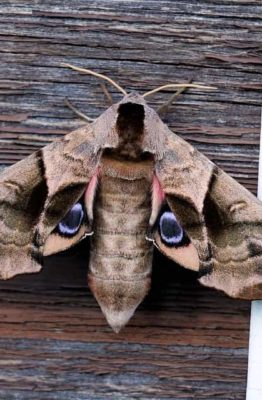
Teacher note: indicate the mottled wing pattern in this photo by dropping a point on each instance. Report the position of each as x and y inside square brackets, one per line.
[23, 192]
[222, 219]
[37, 192]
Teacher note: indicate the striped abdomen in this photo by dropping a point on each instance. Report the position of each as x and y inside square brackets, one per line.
[121, 257]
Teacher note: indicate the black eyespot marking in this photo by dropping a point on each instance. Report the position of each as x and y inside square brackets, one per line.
[170, 231]
[70, 224]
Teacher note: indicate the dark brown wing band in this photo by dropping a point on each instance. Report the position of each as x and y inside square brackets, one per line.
[36, 193]
[221, 217]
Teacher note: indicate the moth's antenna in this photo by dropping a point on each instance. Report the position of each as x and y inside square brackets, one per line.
[178, 85]
[76, 111]
[164, 107]
[90, 72]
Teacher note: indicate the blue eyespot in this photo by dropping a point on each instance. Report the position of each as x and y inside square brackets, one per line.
[170, 231]
[70, 224]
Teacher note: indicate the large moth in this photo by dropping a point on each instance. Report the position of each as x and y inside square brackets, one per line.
[130, 183]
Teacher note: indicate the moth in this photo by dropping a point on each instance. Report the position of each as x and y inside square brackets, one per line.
[130, 183]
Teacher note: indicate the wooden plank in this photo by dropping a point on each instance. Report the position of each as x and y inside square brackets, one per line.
[185, 342]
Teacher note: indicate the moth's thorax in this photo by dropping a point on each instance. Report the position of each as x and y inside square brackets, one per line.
[121, 257]
[130, 129]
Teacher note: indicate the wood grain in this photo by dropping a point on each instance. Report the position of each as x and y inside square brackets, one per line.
[185, 342]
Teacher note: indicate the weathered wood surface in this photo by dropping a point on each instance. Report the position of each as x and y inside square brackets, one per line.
[185, 342]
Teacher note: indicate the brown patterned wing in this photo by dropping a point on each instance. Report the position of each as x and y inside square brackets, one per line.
[222, 219]
[36, 193]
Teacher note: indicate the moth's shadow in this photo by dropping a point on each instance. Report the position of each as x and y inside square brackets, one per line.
[68, 271]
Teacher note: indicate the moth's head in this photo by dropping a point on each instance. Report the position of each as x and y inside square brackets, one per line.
[131, 113]
[130, 129]
[130, 123]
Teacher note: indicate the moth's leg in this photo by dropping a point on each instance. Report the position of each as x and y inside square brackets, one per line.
[107, 94]
[164, 108]
[84, 116]
[77, 112]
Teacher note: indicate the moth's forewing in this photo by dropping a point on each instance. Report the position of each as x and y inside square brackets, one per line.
[36, 194]
[222, 219]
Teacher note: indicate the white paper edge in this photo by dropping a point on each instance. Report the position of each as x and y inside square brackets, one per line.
[254, 374]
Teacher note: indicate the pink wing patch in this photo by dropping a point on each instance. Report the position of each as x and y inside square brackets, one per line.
[90, 196]
[168, 235]
[158, 197]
